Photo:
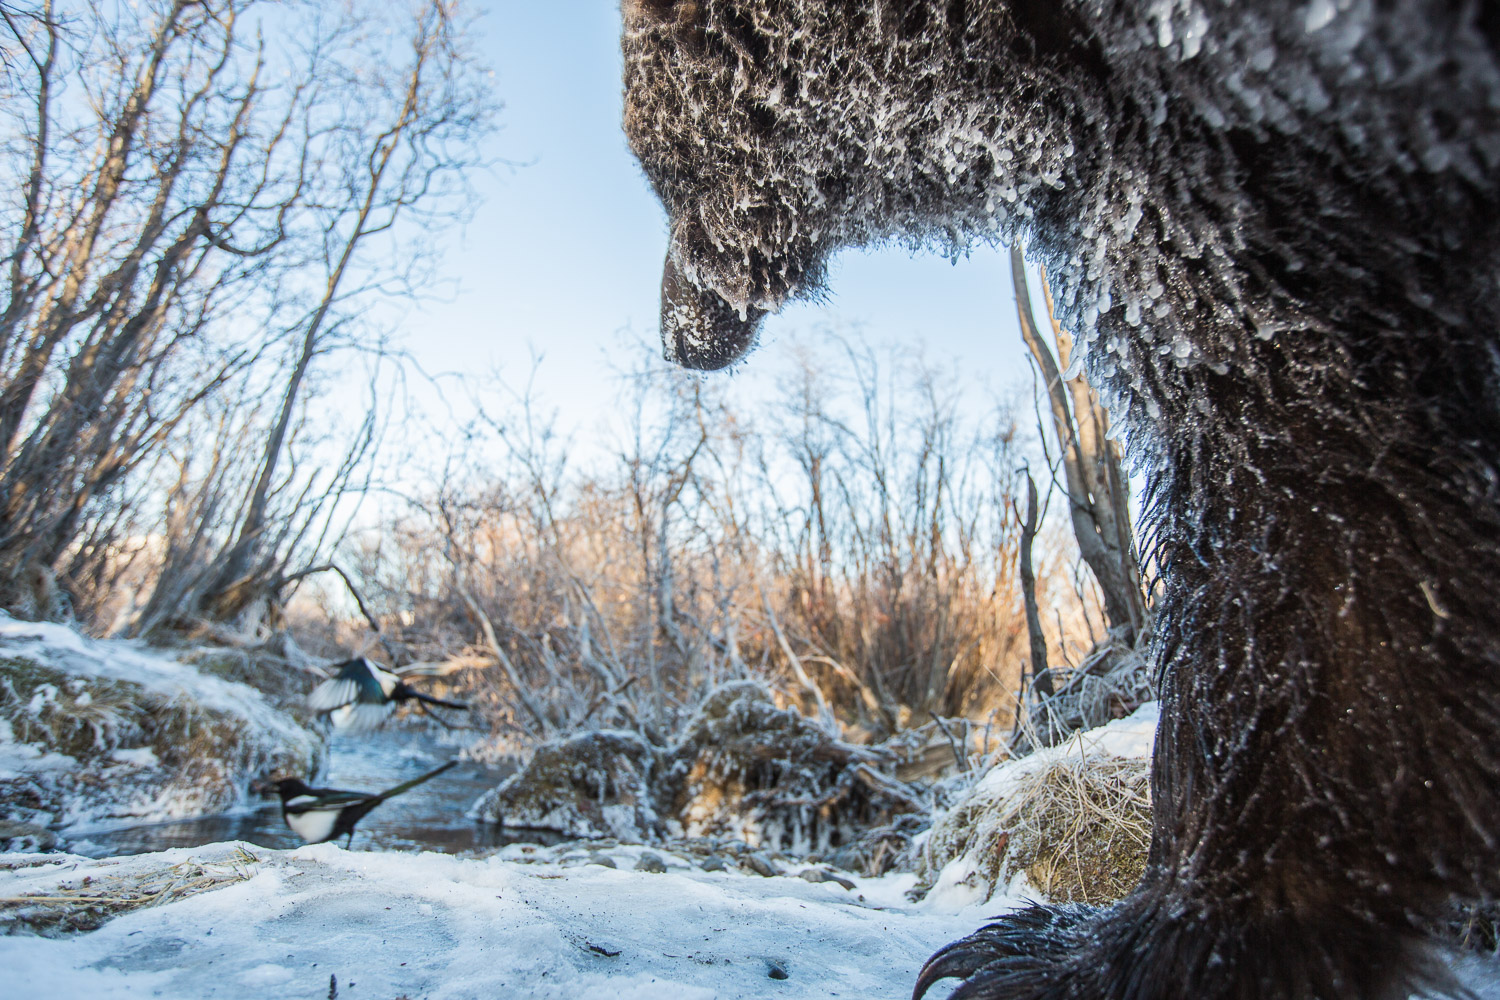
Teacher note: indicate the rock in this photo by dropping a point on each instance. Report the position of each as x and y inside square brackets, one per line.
[761, 864]
[26, 838]
[649, 862]
[823, 875]
[603, 860]
[714, 863]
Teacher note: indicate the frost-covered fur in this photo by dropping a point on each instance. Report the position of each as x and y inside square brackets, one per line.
[1277, 226]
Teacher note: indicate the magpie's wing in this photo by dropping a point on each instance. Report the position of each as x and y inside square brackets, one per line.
[331, 694]
[357, 680]
[342, 688]
[320, 799]
[360, 716]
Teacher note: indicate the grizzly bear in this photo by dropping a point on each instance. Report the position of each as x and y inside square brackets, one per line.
[1274, 224]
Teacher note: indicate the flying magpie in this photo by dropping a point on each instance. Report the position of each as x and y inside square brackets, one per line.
[319, 814]
[362, 695]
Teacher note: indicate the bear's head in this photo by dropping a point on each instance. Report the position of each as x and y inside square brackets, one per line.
[706, 116]
[777, 132]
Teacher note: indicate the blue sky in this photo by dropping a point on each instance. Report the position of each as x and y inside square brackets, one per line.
[565, 251]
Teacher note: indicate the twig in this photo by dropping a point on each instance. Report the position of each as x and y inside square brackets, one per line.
[958, 758]
[359, 600]
[500, 655]
[825, 716]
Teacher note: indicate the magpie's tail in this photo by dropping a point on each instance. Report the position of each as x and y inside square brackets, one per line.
[406, 786]
[404, 692]
[430, 700]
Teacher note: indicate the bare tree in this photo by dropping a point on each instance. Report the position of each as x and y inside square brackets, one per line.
[895, 540]
[148, 205]
[1041, 677]
[179, 179]
[405, 140]
[860, 557]
[1092, 478]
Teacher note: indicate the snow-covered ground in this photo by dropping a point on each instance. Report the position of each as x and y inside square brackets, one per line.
[431, 926]
[434, 927]
[546, 923]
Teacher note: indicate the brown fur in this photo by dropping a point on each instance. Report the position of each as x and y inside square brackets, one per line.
[1276, 225]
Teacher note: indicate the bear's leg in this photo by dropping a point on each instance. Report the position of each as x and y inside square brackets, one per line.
[1327, 769]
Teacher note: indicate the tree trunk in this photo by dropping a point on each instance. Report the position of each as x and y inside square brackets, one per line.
[1041, 678]
[1091, 471]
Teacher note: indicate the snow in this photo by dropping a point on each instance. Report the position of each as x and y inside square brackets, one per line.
[60, 646]
[958, 886]
[17, 759]
[438, 927]
[1131, 737]
[136, 757]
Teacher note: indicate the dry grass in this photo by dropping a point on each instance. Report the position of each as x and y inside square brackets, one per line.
[82, 718]
[96, 900]
[1080, 828]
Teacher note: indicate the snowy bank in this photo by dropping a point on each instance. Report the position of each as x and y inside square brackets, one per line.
[98, 733]
[433, 926]
[321, 921]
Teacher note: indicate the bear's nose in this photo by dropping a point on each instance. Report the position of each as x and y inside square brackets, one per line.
[699, 330]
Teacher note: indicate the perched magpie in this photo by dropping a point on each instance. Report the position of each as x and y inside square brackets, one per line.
[362, 696]
[319, 814]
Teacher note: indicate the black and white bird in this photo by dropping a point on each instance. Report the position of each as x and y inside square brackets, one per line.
[362, 695]
[319, 814]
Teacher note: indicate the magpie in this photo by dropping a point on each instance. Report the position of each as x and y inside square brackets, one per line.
[362, 695]
[319, 814]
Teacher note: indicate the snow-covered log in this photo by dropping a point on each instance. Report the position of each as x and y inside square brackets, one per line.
[593, 784]
[743, 770]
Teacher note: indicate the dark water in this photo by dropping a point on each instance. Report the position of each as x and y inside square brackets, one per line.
[430, 817]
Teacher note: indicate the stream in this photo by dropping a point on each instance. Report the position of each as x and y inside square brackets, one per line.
[430, 817]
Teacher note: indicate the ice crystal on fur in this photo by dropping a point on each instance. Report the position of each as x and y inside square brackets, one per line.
[1273, 226]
